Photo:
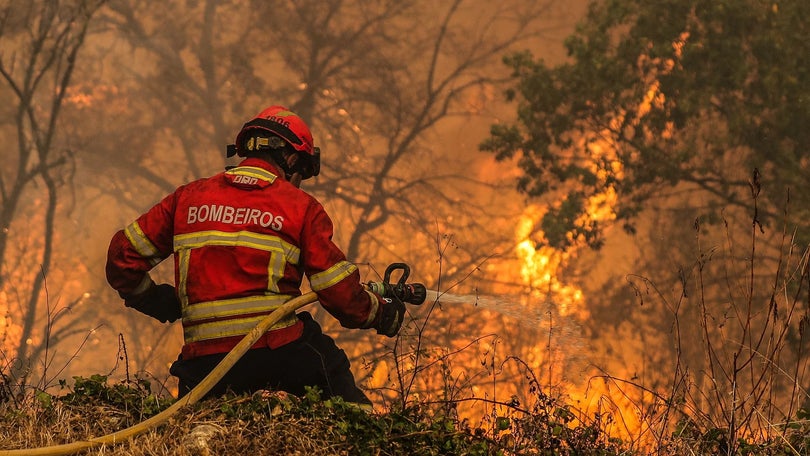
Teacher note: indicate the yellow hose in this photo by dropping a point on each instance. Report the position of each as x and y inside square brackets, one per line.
[193, 396]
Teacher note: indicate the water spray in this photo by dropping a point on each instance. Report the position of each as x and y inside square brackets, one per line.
[508, 306]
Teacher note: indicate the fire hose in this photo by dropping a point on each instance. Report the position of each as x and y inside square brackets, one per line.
[413, 293]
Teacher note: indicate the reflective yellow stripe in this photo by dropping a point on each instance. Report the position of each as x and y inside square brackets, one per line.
[141, 243]
[264, 242]
[281, 252]
[182, 258]
[230, 307]
[372, 311]
[275, 271]
[252, 171]
[331, 276]
[230, 328]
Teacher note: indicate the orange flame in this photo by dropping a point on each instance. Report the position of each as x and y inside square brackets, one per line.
[540, 272]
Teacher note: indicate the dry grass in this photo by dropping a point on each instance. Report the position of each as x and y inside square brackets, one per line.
[231, 425]
[261, 424]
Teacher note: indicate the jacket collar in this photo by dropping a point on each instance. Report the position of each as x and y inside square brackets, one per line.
[267, 166]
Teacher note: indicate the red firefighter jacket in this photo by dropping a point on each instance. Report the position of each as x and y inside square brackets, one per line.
[242, 241]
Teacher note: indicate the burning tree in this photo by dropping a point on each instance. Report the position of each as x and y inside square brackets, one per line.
[693, 95]
[670, 107]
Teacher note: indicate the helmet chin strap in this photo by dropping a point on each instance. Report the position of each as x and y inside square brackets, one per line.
[295, 179]
[286, 161]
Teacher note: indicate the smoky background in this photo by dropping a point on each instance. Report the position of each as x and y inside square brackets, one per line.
[122, 101]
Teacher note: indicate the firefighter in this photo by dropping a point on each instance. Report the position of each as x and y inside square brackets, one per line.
[242, 240]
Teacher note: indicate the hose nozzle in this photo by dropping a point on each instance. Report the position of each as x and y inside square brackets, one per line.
[412, 293]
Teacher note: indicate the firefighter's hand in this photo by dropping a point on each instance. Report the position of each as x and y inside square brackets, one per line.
[392, 312]
[158, 301]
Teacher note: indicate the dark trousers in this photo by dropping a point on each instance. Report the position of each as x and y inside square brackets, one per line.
[312, 360]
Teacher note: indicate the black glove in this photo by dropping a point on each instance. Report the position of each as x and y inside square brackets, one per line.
[158, 301]
[392, 312]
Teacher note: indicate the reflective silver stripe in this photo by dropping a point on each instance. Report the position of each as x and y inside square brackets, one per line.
[372, 311]
[141, 243]
[145, 284]
[231, 307]
[252, 171]
[331, 276]
[230, 328]
[264, 242]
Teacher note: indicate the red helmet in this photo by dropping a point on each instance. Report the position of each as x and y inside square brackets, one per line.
[285, 124]
[281, 122]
